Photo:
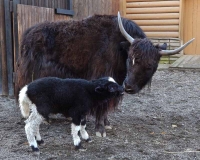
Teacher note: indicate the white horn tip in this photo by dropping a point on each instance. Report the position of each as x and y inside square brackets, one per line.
[118, 13]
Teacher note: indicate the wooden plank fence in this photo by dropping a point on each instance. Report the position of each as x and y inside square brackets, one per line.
[85, 8]
[18, 15]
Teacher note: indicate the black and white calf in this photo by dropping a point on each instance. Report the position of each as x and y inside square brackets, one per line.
[74, 98]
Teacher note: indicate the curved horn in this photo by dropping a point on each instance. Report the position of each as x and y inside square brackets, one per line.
[124, 33]
[172, 52]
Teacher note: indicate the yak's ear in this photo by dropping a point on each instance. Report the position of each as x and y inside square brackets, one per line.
[125, 45]
[161, 47]
[99, 89]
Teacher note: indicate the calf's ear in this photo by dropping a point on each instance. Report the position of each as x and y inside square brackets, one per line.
[99, 89]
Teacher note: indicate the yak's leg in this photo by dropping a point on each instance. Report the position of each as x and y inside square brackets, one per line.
[83, 132]
[107, 123]
[99, 127]
[31, 128]
[75, 128]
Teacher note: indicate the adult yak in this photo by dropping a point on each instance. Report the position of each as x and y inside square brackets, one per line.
[91, 48]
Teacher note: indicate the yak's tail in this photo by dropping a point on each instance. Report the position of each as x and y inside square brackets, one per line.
[24, 102]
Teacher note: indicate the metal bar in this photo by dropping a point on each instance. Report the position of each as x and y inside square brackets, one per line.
[64, 11]
[9, 47]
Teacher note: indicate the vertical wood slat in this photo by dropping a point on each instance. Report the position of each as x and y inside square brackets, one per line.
[85, 8]
[181, 21]
[1, 39]
[15, 30]
[191, 23]
[4, 90]
[9, 48]
[35, 15]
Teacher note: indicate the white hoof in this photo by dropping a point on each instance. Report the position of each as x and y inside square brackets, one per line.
[108, 127]
[47, 123]
[69, 118]
[98, 134]
[104, 134]
[83, 149]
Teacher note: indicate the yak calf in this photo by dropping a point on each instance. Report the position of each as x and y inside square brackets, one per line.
[71, 97]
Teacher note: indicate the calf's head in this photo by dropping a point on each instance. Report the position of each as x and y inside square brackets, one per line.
[107, 86]
[143, 59]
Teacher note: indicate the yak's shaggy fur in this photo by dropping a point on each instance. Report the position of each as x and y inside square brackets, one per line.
[91, 48]
[75, 49]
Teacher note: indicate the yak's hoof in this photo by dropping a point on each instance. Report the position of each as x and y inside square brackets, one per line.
[98, 134]
[69, 118]
[80, 148]
[47, 122]
[108, 127]
[89, 140]
[36, 151]
[100, 130]
[41, 142]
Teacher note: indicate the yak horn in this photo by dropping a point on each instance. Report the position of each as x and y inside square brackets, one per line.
[172, 52]
[122, 30]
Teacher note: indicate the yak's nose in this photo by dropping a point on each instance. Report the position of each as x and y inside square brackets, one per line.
[129, 89]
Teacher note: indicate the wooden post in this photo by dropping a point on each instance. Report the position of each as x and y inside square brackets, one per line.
[122, 7]
[15, 32]
[9, 46]
[4, 72]
[181, 15]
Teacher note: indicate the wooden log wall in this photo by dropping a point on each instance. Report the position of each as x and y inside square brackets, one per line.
[158, 18]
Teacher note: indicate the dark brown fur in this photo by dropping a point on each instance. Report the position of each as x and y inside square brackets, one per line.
[91, 48]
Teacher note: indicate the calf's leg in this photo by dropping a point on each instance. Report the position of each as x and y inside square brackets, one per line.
[38, 137]
[32, 128]
[83, 132]
[75, 128]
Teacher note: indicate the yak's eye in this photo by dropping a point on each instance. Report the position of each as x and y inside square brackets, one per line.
[137, 60]
[112, 88]
[149, 67]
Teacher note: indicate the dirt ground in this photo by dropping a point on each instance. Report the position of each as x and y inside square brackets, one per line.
[162, 123]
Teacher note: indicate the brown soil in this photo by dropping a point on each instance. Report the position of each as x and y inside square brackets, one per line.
[162, 123]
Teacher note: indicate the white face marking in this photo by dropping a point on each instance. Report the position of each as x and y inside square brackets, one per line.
[133, 61]
[84, 133]
[75, 136]
[111, 79]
